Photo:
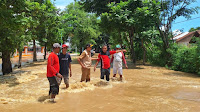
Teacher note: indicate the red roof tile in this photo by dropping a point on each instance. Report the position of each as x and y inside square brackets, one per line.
[189, 34]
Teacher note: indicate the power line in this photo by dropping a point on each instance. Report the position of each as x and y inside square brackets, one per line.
[187, 20]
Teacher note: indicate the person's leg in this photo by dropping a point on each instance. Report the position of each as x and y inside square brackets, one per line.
[108, 74]
[59, 80]
[49, 90]
[54, 88]
[88, 75]
[120, 72]
[102, 73]
[55, 91]
[114, 70]
[83, 77]
[66, 80]
[49, 87]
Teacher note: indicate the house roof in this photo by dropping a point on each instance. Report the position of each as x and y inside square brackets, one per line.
[187, 35]
[180, 35]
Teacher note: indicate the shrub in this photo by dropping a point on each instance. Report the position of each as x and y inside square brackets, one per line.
[184, 59]
[156, 56]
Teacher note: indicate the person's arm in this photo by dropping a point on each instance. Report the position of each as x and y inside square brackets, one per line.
[117, 51]
[123, 50]
[96, 65]
[94, 59]
[124, 60]
[99, 58]
[112, 59]
[83, 54]
[70, 68]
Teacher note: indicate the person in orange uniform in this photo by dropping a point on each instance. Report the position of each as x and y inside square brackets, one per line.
[53, 68]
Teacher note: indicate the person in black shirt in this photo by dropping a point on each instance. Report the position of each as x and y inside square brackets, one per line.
[65, 65]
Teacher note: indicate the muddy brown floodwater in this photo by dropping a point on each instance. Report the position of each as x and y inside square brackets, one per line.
[144, 89]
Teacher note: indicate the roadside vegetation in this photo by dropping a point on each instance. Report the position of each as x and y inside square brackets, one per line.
[143, 27]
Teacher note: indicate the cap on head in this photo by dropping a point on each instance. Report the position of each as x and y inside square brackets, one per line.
[118, 46]
[56, 45]
[64, 45]
[89, 45]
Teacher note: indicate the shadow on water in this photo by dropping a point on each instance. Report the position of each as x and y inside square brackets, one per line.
[34, 64]
[130, 66]
[134, 67]
[11, 79]
[182, 74]
[43, 98]
[102, 84]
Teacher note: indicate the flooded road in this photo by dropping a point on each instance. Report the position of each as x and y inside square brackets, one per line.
[144, 89]
[25, 60]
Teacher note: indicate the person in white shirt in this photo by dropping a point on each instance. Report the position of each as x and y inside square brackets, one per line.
[117, 59]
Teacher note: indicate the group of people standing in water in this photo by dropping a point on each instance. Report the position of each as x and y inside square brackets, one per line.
[59, 65]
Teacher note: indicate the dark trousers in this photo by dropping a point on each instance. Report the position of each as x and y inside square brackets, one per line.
[54, 87]
[105, 72]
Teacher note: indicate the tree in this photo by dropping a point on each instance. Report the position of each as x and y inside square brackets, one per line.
[35, 11]
[97, 6]
[68, 23]
[194, 29]
[131, 17]
[85, 27]
[47, 31]
[171, 10]
[23, 40]
[13, 22]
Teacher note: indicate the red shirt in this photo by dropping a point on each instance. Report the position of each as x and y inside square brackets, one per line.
[53, 66]
[105, 59]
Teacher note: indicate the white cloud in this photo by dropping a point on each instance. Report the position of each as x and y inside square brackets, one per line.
[62, 7]
[61, 4]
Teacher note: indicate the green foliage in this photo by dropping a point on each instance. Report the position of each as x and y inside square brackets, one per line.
[198, 57]
[126, 20]
[155, 54]
[13, 24]
[82, 26]
[135, 24]
[184, 59]
[194, 29]
[49, 21]
[97, 6]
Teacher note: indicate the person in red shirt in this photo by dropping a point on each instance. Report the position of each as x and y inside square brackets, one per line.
[104, 57]
[53, 68]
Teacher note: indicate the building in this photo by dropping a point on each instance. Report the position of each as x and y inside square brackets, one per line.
[28, 49]
[185, 38]
[176, 32]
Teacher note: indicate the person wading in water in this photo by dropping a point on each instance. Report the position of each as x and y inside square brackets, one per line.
[104, 57]
[65, 66]
[85, 61]
[53, 68]
[117, 59]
